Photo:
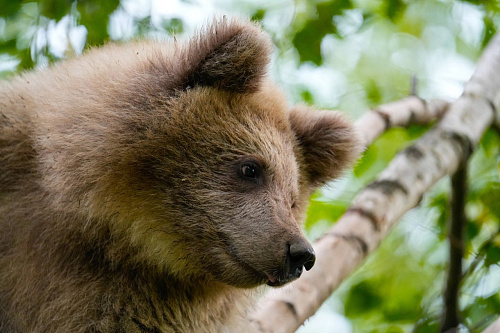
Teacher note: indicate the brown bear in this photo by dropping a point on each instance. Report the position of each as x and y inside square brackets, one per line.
[150, 186]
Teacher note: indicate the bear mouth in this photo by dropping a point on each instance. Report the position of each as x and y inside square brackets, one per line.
[274, 279]
[262, 277]
[280, 280]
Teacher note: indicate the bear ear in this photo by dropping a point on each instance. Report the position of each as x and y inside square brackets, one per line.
[229, 55]
[328, 141]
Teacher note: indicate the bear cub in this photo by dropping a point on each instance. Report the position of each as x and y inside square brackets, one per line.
[150, 186]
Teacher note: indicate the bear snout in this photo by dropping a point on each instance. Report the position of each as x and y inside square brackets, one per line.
[299, 255]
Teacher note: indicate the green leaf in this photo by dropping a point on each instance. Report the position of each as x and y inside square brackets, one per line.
[307, 96]
[8, 46]
[368, 159]
[381, 152]
[394, 9]
[373, 93]
[490, 143]
[363, 297]
[489, 30]
[9, 7]
[471, 230]
[490, 197]
[26, 61]
[173, 26]
[321, 210]
[479, 309]
[95, 16]
[307, 40]
[258, 15]
[427, 325]
[54, 9]
[492, 255]
[416, 131]
[441, 202]
[308, 43]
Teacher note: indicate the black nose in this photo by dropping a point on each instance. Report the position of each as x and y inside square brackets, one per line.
[301, 254]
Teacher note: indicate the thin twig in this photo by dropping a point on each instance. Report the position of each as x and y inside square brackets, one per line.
[456, 237]
[414, 85]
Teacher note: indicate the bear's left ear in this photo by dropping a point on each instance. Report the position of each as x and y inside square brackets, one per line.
[230, 55]
[328, 141]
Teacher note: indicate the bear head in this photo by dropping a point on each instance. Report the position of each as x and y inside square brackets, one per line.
[205, 171]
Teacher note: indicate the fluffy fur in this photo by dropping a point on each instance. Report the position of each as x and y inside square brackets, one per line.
[126, 202]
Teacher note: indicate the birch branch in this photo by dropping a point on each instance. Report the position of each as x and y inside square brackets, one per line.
[376, 209]
[407, 111]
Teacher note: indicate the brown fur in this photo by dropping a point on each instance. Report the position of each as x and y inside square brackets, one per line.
[122, 204]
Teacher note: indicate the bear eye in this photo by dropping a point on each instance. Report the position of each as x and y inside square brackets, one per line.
[249, 171]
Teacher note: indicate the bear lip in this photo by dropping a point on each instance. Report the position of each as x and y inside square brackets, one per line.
[270, 278]
[275, 283]
[278, 282]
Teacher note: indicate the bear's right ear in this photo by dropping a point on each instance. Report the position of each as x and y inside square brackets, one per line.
[229, 55]
[328, 141]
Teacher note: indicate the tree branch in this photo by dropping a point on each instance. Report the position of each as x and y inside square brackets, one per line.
[376, 209]
[407, 111]
[456, 237]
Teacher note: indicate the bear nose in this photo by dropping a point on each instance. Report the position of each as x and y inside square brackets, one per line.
[301, 254]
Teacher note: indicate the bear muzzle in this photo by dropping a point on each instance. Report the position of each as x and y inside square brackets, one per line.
[299, 255]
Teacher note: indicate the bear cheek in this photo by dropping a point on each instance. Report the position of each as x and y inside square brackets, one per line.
[263, 249]
[237, 273]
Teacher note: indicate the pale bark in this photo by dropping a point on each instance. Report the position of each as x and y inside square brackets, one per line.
[376, 209]
[493, 328]
[407, 111]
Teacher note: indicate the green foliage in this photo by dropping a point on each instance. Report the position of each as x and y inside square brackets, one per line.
[9, 7]
[363, 297]
[492, 255]
[427, 325]
[320, 210]
[173, 26]
[390, 291]
[378, 155]
[393, 9]
[258, 15]
[54, 9]
[96, 14]
[475, 311]
[307, 40]
[372, 49]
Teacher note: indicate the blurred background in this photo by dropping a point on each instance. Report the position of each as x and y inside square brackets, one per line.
[342, 54]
